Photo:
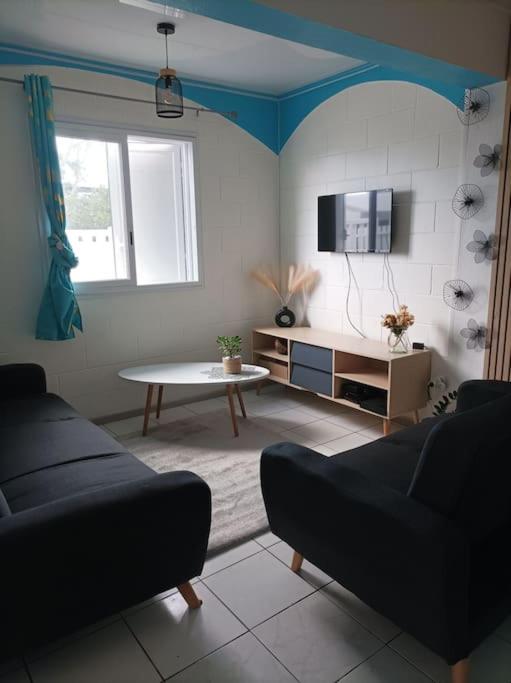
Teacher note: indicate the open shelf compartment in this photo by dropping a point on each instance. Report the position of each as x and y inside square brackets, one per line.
[266, 355]
[381, 396]
[369, 371]
[369, 375]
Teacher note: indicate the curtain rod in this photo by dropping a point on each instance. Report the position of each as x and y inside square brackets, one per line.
[197, 110]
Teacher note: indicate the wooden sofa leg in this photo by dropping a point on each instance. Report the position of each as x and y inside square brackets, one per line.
[460, 671]
[296, 562]
[190, 596]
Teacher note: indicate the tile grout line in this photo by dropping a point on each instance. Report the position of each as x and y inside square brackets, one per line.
[405, 658]
[257, 552]
[360, 663]
[313, 592]
[319, 588]
[355, 618]
[274, 656]
[69, 640]
[249, 628]
[217, 649]
[162, 678]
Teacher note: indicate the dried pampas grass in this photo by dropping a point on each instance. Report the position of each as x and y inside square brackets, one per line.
[266, 278]
[300, 278]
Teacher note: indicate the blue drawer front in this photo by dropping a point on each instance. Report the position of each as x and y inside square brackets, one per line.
[315, 380]
[312, 356]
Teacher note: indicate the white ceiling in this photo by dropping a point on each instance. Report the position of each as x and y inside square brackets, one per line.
[202, 48]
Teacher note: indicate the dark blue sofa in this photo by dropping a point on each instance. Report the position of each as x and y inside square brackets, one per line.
[86, 529]
[416, 524]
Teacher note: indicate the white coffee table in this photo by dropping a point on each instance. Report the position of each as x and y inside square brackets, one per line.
[192, 373]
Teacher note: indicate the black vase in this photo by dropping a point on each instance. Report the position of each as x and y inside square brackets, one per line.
[285, 317]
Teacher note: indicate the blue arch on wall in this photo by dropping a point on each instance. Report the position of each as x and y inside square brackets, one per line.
[296, 105]
[268, 118]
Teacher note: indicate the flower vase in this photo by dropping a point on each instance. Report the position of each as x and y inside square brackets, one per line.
[398, 342]
[285, 317]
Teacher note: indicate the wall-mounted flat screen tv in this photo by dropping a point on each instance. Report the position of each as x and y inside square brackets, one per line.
[355, 222]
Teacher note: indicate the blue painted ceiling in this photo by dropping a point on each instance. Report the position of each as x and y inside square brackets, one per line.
[273, 118]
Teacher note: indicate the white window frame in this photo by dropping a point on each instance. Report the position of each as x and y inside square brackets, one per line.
[93, 130]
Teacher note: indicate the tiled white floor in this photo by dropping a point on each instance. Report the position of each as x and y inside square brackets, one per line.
[259, 623]
[317, 641]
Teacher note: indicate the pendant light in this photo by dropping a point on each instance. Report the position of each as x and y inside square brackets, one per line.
[168, 90]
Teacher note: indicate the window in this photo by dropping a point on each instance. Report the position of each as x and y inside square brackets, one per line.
[130, 207]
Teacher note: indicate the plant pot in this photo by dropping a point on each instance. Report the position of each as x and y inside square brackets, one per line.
[232, 365]
[398, 342]
[285, 317]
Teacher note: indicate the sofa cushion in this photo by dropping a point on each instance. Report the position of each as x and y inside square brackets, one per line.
[68, 479]
[5, 510]
[43, 431]
[39, 445]
[391, 460]
[35, 408]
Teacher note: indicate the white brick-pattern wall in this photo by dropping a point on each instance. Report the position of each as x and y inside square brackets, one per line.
[403, 136]
[238, 195]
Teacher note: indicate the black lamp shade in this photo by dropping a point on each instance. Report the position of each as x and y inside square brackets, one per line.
[168, 95]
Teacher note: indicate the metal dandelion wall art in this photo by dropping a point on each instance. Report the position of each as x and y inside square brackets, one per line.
[475, 335]
[484, 248]
[488, 159]
[458, 294]
[467, 201]
[476, 105]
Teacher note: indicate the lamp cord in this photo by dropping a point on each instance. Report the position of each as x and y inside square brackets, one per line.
[348, 298]
[167, 49]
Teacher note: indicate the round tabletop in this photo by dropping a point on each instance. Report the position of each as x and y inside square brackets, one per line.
[192, 373]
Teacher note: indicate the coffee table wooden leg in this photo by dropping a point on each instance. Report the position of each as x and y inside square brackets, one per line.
[160, 397]
[148, 402]
[230, 396]
[240, 399]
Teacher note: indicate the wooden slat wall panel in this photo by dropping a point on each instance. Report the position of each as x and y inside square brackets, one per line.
[498, 356]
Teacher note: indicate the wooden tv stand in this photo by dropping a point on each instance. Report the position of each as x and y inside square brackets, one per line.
[322, 362]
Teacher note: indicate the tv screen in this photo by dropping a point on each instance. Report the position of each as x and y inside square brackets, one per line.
[355, 222]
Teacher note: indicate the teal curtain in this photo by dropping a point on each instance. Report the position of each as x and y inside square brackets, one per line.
[59, 313]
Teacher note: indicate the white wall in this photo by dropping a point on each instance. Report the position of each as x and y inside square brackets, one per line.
[370, 136]
[397, 135]
[238, 190]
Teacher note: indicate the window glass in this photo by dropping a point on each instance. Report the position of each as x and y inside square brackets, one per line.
[93, 195]
[130, 207]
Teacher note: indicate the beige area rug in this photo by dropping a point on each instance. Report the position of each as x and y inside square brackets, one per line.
[204, 444]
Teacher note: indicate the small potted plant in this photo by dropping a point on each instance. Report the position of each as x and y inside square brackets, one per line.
[231, 354]
[398, 323]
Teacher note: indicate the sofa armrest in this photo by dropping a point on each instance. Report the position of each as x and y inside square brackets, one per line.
[397, 555]
[96, 553]
[21, 379]
[476, 392]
